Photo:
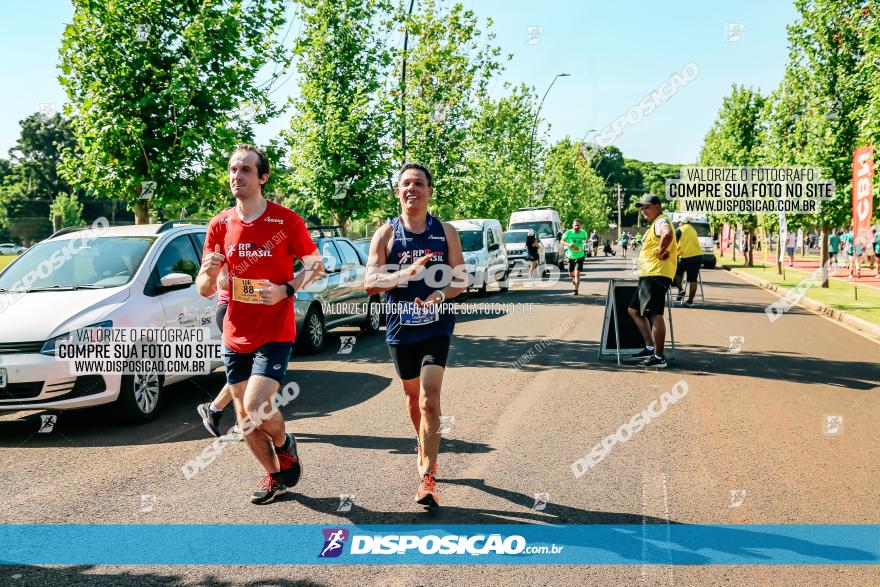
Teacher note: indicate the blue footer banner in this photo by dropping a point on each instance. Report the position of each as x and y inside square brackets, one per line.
[592, 544]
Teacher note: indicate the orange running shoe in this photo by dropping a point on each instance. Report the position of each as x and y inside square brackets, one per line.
[427, 494]
[421, 459]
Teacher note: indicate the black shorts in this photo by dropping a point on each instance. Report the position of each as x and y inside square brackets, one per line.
[650, 297]
[534, 257]
[578, 262]
[410, 358]
[691, 267]
[269, 360]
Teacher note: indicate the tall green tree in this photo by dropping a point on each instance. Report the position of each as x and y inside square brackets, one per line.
[450, 61]
[573, 188]
[498, 157]
[337, 133]
[31, 180]
[161, 90]
[824, 108]
[735, 140]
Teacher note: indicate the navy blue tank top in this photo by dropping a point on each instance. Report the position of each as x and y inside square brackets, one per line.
[406, 324]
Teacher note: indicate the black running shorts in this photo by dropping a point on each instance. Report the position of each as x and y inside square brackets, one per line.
[410, 358]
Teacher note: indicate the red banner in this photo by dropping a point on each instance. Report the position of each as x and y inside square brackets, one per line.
[862, 198]
[725, 236]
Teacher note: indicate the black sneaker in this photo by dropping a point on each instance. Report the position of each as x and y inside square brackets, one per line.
[679, 296]
[288, 460]
[688, 304]
[653, 361]
[210, 419]
[269, 489]
[644, 353]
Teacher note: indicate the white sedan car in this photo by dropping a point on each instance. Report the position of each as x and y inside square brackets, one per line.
[10, 249]
[128, 276]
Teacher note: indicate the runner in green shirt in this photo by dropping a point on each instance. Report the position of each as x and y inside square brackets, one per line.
[574, 239]
[833, 247]
[623, 243]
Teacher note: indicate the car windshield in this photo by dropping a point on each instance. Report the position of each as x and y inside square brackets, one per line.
[702, 229]
[363, 247]
[471, 240]
[73, 263]
[515, 236]
[542, 229]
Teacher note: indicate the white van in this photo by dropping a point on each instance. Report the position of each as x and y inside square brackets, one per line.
[701, 224]
[545, 221]
[485, 254]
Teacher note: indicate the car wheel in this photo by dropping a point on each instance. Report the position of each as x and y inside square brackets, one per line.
[503, 285]
[140, 396]
[374, 317]
[311, 339]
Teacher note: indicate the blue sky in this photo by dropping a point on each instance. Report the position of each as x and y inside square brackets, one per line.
[616, 53]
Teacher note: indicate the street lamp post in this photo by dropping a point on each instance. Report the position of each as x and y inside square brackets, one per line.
[535, 125]
[403, 84]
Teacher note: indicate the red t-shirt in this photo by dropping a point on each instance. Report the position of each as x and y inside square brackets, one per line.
[265, 248]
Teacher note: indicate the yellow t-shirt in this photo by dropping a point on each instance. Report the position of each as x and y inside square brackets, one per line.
[689, 244]
[649, 263]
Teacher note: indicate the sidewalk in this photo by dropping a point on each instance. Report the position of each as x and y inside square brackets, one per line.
[809, 263]
[844, 298]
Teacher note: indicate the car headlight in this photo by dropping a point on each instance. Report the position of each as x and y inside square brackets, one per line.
[50, 345]
[471, 261]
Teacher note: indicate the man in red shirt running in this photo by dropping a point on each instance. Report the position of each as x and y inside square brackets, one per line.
[258, 241]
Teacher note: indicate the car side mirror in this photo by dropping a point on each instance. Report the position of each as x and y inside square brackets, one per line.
[494, 247]
[558, 236]
[174, 281]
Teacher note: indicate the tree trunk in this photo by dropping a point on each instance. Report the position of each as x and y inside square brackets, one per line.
[57, 223]
[342, 221]
[823, 252]
[750, 256]
[141, 212]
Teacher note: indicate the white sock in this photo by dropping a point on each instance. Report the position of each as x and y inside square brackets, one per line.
[214, 408]
[649, 347]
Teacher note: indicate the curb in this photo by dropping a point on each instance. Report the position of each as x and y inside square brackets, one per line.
[863, 327]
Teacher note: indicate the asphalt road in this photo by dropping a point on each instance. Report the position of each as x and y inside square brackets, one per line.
[753, 422]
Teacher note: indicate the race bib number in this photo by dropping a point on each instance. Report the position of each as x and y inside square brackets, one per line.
[412, 315]
[246, 290]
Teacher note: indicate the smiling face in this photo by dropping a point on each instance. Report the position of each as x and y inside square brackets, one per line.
[576, 225]
[244, 179]
[413, 191]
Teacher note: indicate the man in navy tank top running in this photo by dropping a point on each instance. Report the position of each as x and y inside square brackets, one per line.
[417, 261]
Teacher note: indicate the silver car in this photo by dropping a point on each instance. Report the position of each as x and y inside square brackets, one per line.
[338, 298]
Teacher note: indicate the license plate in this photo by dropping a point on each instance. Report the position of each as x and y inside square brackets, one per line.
[2, 378]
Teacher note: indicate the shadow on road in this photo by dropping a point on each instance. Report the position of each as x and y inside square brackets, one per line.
[26, 576]
[627, 541]
[796, 368]
[398, 446]
[321, 393]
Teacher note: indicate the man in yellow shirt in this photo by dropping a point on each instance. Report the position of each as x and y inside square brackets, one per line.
[690, 259]
[657, 264]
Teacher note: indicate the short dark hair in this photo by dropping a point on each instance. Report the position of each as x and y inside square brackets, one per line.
[578, 220]
[421, 167]
[262, 160]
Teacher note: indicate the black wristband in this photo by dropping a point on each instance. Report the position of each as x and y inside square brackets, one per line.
[290, 290]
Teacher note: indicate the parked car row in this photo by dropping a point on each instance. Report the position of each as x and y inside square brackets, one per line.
[143, 275]
[116, 280]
